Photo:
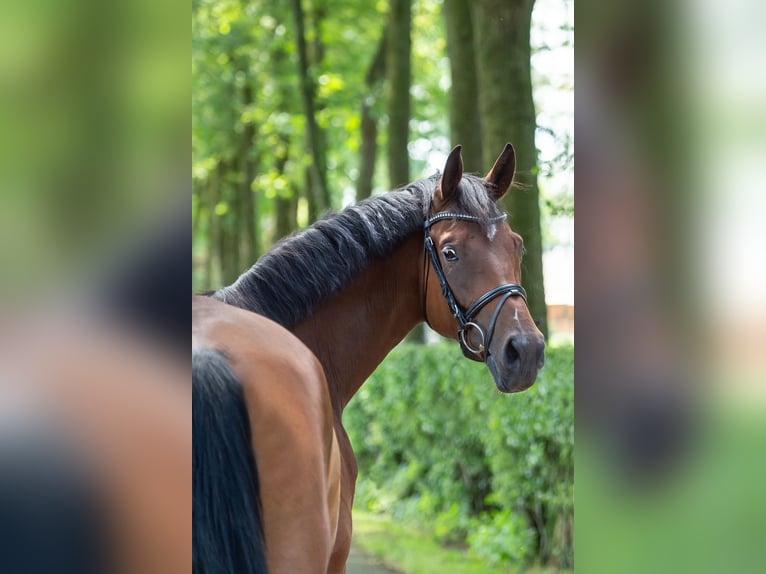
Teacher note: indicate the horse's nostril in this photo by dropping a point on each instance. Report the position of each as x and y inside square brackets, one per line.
[511, 352]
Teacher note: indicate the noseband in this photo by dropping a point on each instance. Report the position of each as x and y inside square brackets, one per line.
[466, 318]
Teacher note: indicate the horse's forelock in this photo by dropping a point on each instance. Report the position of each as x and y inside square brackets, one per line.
[473, 198]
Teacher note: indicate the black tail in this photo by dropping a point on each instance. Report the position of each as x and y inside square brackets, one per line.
[227, 532]
[51, 518]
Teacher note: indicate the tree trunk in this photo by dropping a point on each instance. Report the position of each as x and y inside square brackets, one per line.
[213, 264]
[198, 191]
[229, 223]
[286, 220]
[285, 207]
[465, 123]
[317, 13]
[249, 248]
[501, 34]
[317, 171]
[399, 73]
[368, 149]
[399, 76]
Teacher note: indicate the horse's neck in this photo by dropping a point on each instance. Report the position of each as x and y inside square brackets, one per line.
[353, 332]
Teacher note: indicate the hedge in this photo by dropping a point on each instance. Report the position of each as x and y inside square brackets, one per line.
[439, 446]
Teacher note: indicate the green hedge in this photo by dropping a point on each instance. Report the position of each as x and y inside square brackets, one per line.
[438, 445]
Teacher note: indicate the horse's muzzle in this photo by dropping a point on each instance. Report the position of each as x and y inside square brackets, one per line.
[516, 366]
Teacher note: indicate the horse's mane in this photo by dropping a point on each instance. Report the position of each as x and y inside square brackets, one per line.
[302, 270]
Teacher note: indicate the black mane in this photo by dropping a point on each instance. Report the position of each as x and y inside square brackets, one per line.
[299, 272]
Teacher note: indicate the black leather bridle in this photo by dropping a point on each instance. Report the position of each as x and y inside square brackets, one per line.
[465, 318]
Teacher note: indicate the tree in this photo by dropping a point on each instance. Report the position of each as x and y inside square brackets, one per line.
[249, 236]
[501, 37]
[320, 195]
[399, 76]
[465, 123]
[368, 149]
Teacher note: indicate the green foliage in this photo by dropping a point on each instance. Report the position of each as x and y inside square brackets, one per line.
[437, 444]
[502, 537]
[245, 76]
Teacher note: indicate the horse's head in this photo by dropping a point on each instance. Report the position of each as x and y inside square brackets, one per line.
[472, 275]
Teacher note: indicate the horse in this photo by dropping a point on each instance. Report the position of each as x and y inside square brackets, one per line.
[95, 417]
[353, 284]
[254, 383]
[95, 450]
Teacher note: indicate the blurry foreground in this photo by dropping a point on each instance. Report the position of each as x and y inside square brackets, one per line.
[95, 449]
[95, 409]
[670, 285]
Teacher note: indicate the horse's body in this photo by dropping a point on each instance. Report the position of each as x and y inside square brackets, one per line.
[282, 386]
[95, 450]
[353, 285]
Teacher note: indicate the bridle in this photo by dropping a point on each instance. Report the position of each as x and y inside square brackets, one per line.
[465, 318]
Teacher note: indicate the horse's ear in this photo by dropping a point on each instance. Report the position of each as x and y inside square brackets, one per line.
[501, 174]
[450, 180]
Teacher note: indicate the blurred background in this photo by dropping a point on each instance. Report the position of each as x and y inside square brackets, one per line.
[670, 287]
[299, 108]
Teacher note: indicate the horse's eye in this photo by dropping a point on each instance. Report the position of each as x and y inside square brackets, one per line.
[450, 254]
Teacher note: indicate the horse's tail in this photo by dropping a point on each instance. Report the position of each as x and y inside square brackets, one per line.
[51, 518]
[227, 532]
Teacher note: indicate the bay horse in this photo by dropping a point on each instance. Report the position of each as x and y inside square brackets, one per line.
[254, 382]
[95, 448]
[353, 284]
[95, 415]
